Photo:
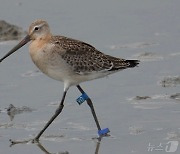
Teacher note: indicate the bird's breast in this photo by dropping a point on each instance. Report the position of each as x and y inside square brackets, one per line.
[39, 52]
[48, 59]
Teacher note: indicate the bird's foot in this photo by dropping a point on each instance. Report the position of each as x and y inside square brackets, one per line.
[13, 142]
[103, 132]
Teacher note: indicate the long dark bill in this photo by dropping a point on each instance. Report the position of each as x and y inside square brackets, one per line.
[22, 43]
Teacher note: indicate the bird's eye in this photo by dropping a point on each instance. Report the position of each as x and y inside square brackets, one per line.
[36, 28]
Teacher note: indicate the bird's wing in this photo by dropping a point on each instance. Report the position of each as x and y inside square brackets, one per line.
[84, 58]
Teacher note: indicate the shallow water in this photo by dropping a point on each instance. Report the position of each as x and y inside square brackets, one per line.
[147, 30]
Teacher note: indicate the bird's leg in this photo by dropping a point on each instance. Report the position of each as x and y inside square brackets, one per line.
[89, 102]
[101, 132]
[57, 112]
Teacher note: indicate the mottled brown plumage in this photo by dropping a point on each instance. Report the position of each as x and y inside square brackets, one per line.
[84, 58]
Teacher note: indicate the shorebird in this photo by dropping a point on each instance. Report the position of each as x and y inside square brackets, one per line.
[70, 61]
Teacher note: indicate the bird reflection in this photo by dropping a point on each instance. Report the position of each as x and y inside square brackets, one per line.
[46, 151]
[98, 145]
[42, 148]
[38, 144]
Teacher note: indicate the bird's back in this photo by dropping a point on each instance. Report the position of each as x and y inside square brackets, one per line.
[85, 59]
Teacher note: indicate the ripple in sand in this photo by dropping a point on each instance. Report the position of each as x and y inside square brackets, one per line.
[170, 81]
[133, 45]
[31, 73]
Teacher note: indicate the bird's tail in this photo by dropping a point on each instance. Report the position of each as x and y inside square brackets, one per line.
[120, 64]
[132, 63]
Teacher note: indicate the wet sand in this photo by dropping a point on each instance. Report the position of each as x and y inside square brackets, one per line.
[140, 106]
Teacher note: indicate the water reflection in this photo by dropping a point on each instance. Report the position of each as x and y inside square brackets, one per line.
[43, 149]
[46, 151]
[98, 145]
[39, 145]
